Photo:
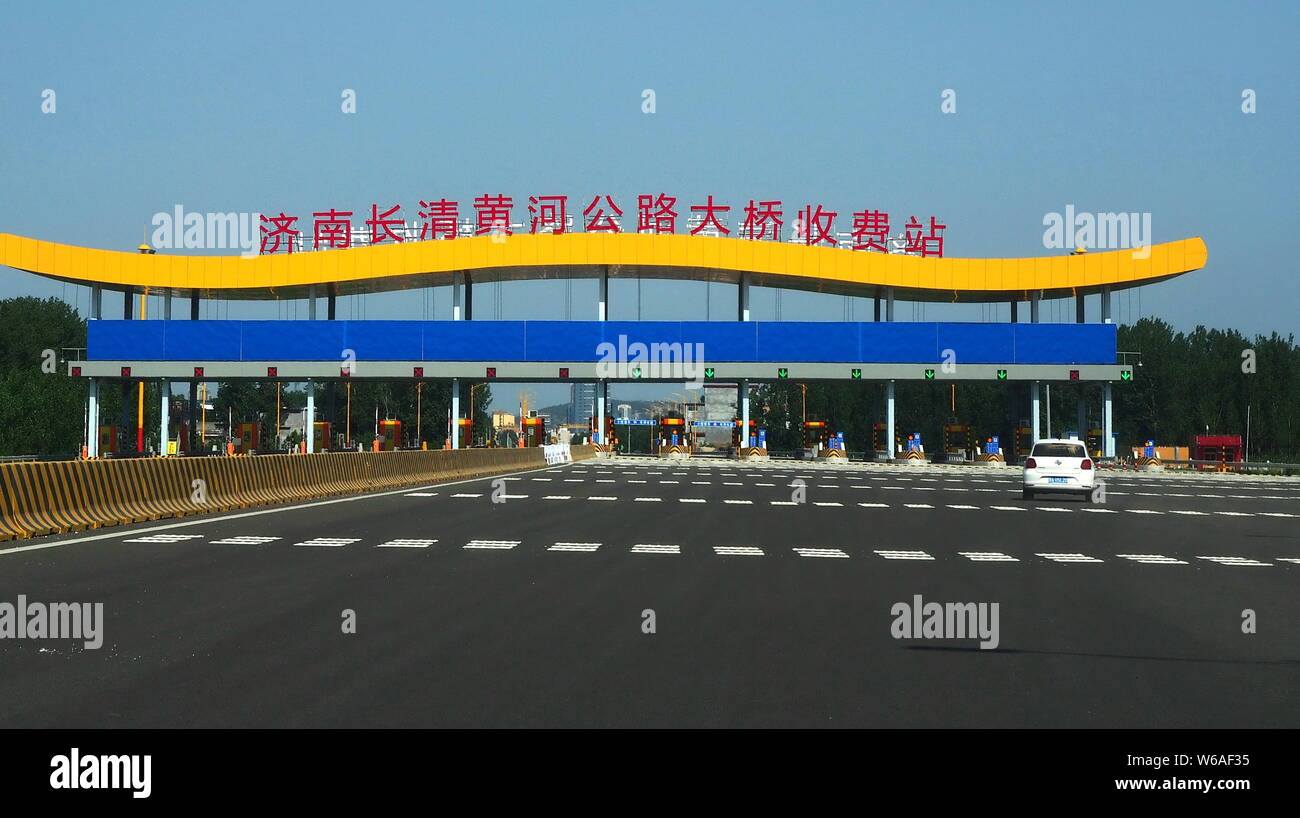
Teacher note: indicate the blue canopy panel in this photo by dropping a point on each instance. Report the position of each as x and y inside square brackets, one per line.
[590, 341]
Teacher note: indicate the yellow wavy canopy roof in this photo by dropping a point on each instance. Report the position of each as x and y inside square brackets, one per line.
[412, 264]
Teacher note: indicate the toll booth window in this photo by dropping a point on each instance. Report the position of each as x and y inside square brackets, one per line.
[1059, 450]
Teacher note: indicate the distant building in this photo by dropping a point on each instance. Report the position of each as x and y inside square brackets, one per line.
[582, 402]
[502, 420]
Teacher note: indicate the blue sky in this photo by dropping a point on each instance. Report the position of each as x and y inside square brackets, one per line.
[1105, 106]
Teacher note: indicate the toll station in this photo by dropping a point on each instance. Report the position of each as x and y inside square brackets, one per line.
[123, 351]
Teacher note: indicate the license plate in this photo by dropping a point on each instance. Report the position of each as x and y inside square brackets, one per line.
[1058, 479]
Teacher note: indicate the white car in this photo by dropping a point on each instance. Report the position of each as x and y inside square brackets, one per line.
[1059, 466]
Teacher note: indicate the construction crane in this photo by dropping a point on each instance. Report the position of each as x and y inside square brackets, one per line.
[525, 397]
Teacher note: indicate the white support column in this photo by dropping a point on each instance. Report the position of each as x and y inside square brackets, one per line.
[164, 420]
[601, 387]
[742, 298]
[1034, 298]
[744, 414]
[889, 419]
[455, 296]
[1034, 411]
[889, 316]
[1105, 305]
[455, 413]
[602, 313]
[92, 418]
[311, 302]
[1107, 424]
[96, 310]
[310, 426]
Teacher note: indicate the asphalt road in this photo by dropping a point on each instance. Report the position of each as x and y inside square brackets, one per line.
[768, 611]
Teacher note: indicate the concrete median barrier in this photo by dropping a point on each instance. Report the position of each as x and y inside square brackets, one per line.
[39, 498]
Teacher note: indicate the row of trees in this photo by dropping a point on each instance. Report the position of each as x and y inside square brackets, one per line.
[1187, 383]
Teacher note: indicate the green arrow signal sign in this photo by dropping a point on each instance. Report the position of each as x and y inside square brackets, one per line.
[783, 373]
[1002, 374]
[1126, 374]
[636, 371]
[857, 373]
[708, 372]
[929, 374]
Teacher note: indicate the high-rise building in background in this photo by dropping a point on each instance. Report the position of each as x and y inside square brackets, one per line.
[582, 402]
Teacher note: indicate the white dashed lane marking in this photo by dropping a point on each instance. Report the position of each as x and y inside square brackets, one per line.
[737, 551]
[650, 548]
[423, 494]
[1069, 558]
[164, 538]
[905, 555]
[1152, 559]
[406, 544]
[495, 545]
[1235, 561]
[330, 542]
[830, 553]
[245, 540]
[575, 546]
[467, 495]
[988, 556]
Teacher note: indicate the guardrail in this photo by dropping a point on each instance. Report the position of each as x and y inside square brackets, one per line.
[1227, 466]
[38, 498]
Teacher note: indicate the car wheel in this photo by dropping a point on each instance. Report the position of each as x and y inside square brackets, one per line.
[1026, 494]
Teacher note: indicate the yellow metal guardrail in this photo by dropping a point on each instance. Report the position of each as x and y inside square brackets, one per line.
[38, 498]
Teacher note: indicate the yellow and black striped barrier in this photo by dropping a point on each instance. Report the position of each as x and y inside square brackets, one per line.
[912, 456]
[55, 497]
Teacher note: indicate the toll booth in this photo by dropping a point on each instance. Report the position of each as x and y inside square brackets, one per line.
[108, 440]
[1223, 448]
[610, 437]
[534, 433]
[320, 436]
[673, 431]
[390, 435]
[1093, 440]
[1024, 440]
[737, 440]
[956, 441]
[466, 431]
[247, 437]
[878, 432]
[816, 434]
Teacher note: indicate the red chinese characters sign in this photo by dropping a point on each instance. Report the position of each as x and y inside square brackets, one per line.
[813, 225]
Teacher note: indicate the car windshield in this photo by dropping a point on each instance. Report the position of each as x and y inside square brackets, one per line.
[1059, 450]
